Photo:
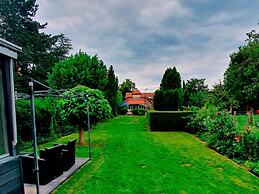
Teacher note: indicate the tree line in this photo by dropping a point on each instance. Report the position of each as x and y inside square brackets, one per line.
[238, 91]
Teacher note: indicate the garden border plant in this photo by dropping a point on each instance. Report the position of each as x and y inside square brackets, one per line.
[217, 128]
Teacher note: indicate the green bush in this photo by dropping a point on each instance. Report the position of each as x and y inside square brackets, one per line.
[197, 124]
[43, 113]
[168, 120]
[139, 111]
[48, 123]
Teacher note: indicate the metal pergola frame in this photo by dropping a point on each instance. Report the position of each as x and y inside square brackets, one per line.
[48, 93]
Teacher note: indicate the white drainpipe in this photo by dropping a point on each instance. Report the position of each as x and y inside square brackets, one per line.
[13, 104]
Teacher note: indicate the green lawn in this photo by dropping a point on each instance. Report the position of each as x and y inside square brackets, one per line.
[129, 159]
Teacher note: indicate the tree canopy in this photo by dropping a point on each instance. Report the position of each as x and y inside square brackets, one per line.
[111, 90]
[127, 86]
[195, 92]
[170, 95]
[74, 107]
[241, 78]
[40, 50]
[80, 68]
[171, 79]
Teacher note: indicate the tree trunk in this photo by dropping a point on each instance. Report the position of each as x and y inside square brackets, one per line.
[81, 136]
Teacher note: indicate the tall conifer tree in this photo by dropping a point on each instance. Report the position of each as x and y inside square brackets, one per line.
[111, 90]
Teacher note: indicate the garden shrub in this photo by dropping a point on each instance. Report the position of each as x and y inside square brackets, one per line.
[217, 128]
[168, 120]
[43, 111]
[221, 133]
[48, 122]
[139, 111]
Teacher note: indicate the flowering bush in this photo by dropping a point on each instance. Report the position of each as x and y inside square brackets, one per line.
[218, 130]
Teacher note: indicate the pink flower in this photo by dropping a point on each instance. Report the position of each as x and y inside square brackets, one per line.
[238, 138]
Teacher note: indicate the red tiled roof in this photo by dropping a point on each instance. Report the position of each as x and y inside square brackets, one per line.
[135, 101]
[128, 95]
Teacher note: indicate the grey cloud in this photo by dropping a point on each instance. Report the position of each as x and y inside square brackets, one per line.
[142, 38]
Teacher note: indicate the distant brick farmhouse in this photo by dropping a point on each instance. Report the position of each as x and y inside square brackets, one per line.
[136, 99]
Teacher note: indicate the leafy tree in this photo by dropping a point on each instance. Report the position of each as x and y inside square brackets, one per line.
[171, 79]
[127, 86]
[219, 97]
[40, 50]
[241, 78]
[79, 69]
[198, 99]
[74, 107]
[111, 90]
[195, 89]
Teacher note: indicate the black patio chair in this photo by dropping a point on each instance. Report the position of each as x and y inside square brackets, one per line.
[29, 175]
[68, 154]
[53, 156]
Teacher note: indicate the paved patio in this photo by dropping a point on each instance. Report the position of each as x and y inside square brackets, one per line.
[45, 189]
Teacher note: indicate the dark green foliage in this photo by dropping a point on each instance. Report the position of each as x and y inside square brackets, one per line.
[171, 79]
[43, 118]
[74, 107]
[218, 130]
[139, 111]
[48, 123]
[198, 99]
[242, 77]
[170, 95]
[195, 92]
[40, 50]
[168, 100]
[79, 69]
[168, 120]
[127, 86]
[218, 96]
[111, 90]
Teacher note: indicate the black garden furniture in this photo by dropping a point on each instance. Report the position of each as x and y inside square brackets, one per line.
[29, 176]
[53, 156]
[68, 154]
[52, 162]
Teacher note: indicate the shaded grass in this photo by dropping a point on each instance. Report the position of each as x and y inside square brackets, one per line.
[129, 159]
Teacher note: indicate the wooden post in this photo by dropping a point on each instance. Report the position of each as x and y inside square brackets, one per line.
[81, 136]
[247, 118]
[235, 117]
[251, 116]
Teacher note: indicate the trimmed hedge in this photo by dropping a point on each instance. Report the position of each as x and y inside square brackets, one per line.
[168, 120]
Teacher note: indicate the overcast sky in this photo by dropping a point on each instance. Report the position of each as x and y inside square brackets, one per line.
[141, 38]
